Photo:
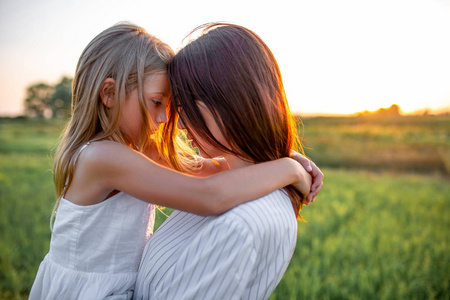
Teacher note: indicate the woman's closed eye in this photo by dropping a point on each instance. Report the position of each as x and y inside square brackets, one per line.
[178, 108]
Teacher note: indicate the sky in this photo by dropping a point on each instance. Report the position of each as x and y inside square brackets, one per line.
[336, 57]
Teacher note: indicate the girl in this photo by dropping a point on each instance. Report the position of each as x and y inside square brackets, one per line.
[104, 183]
[228, 88]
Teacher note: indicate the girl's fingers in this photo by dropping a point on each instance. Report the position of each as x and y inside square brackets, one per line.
[317, 175]
[317, 178]
[311, 197]
[313, 194]
[301, 159]
[306, 201]
[307, 164]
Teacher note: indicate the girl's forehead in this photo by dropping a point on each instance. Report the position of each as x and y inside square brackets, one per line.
[157, 83]
[156, 76]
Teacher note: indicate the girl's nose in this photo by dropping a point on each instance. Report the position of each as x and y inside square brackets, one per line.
[161, 118]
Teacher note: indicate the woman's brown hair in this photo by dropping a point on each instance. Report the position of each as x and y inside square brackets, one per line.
[233, 72]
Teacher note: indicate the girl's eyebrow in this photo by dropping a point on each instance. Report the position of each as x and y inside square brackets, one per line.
[165, 94]
[158, 94]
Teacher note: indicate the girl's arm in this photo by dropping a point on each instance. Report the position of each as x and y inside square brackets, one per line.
[216, 165]
[209, 166]
[212, 166]
[107, 166]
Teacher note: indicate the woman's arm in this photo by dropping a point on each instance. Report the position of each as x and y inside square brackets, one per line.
[109, 166]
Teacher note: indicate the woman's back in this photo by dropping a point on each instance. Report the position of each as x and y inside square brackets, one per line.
[241, 254]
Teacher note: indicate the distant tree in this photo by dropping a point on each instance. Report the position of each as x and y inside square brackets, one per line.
[393, 111]
[37, 100]
[44, 100]
[61, 99]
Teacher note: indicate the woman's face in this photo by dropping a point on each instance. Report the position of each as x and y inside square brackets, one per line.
[206, 149]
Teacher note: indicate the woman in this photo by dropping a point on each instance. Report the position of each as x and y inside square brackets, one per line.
[228, 90]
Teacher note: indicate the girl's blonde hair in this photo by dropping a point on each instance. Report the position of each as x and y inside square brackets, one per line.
[126, 53]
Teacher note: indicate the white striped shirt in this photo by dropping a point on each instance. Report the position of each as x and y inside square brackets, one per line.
[241, 254]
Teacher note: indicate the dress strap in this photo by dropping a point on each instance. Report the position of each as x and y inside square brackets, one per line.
[79, 151]
[76, 158]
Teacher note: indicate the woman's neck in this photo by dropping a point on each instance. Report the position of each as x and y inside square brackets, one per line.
[235, 162]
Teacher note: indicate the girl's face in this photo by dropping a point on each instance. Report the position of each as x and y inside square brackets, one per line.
[206, 150]
[156, 99]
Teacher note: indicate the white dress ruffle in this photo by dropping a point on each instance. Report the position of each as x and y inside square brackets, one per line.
[95, 250]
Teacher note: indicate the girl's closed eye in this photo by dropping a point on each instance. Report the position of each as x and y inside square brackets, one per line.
[157, 102]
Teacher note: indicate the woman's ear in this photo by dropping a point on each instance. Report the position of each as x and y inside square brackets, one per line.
[107, 92]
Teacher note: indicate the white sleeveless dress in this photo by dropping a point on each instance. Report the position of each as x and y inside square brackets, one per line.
[95, 250]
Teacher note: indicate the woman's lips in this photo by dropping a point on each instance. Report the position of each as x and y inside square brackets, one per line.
[190, 138]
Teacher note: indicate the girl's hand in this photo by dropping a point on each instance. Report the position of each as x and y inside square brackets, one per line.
[304, 184]
[314, 171]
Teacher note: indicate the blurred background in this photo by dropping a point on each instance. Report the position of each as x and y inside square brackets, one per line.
[369, 82]
[336, 57]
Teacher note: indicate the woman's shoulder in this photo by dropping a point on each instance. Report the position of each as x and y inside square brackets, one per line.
[263, 212]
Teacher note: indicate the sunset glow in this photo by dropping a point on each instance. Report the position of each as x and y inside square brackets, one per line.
[336, 57]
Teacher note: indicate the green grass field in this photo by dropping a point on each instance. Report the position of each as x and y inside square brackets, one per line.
[375, 231]
[402, 144]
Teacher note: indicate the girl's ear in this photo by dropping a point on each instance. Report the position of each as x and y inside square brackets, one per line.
[107, 92]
